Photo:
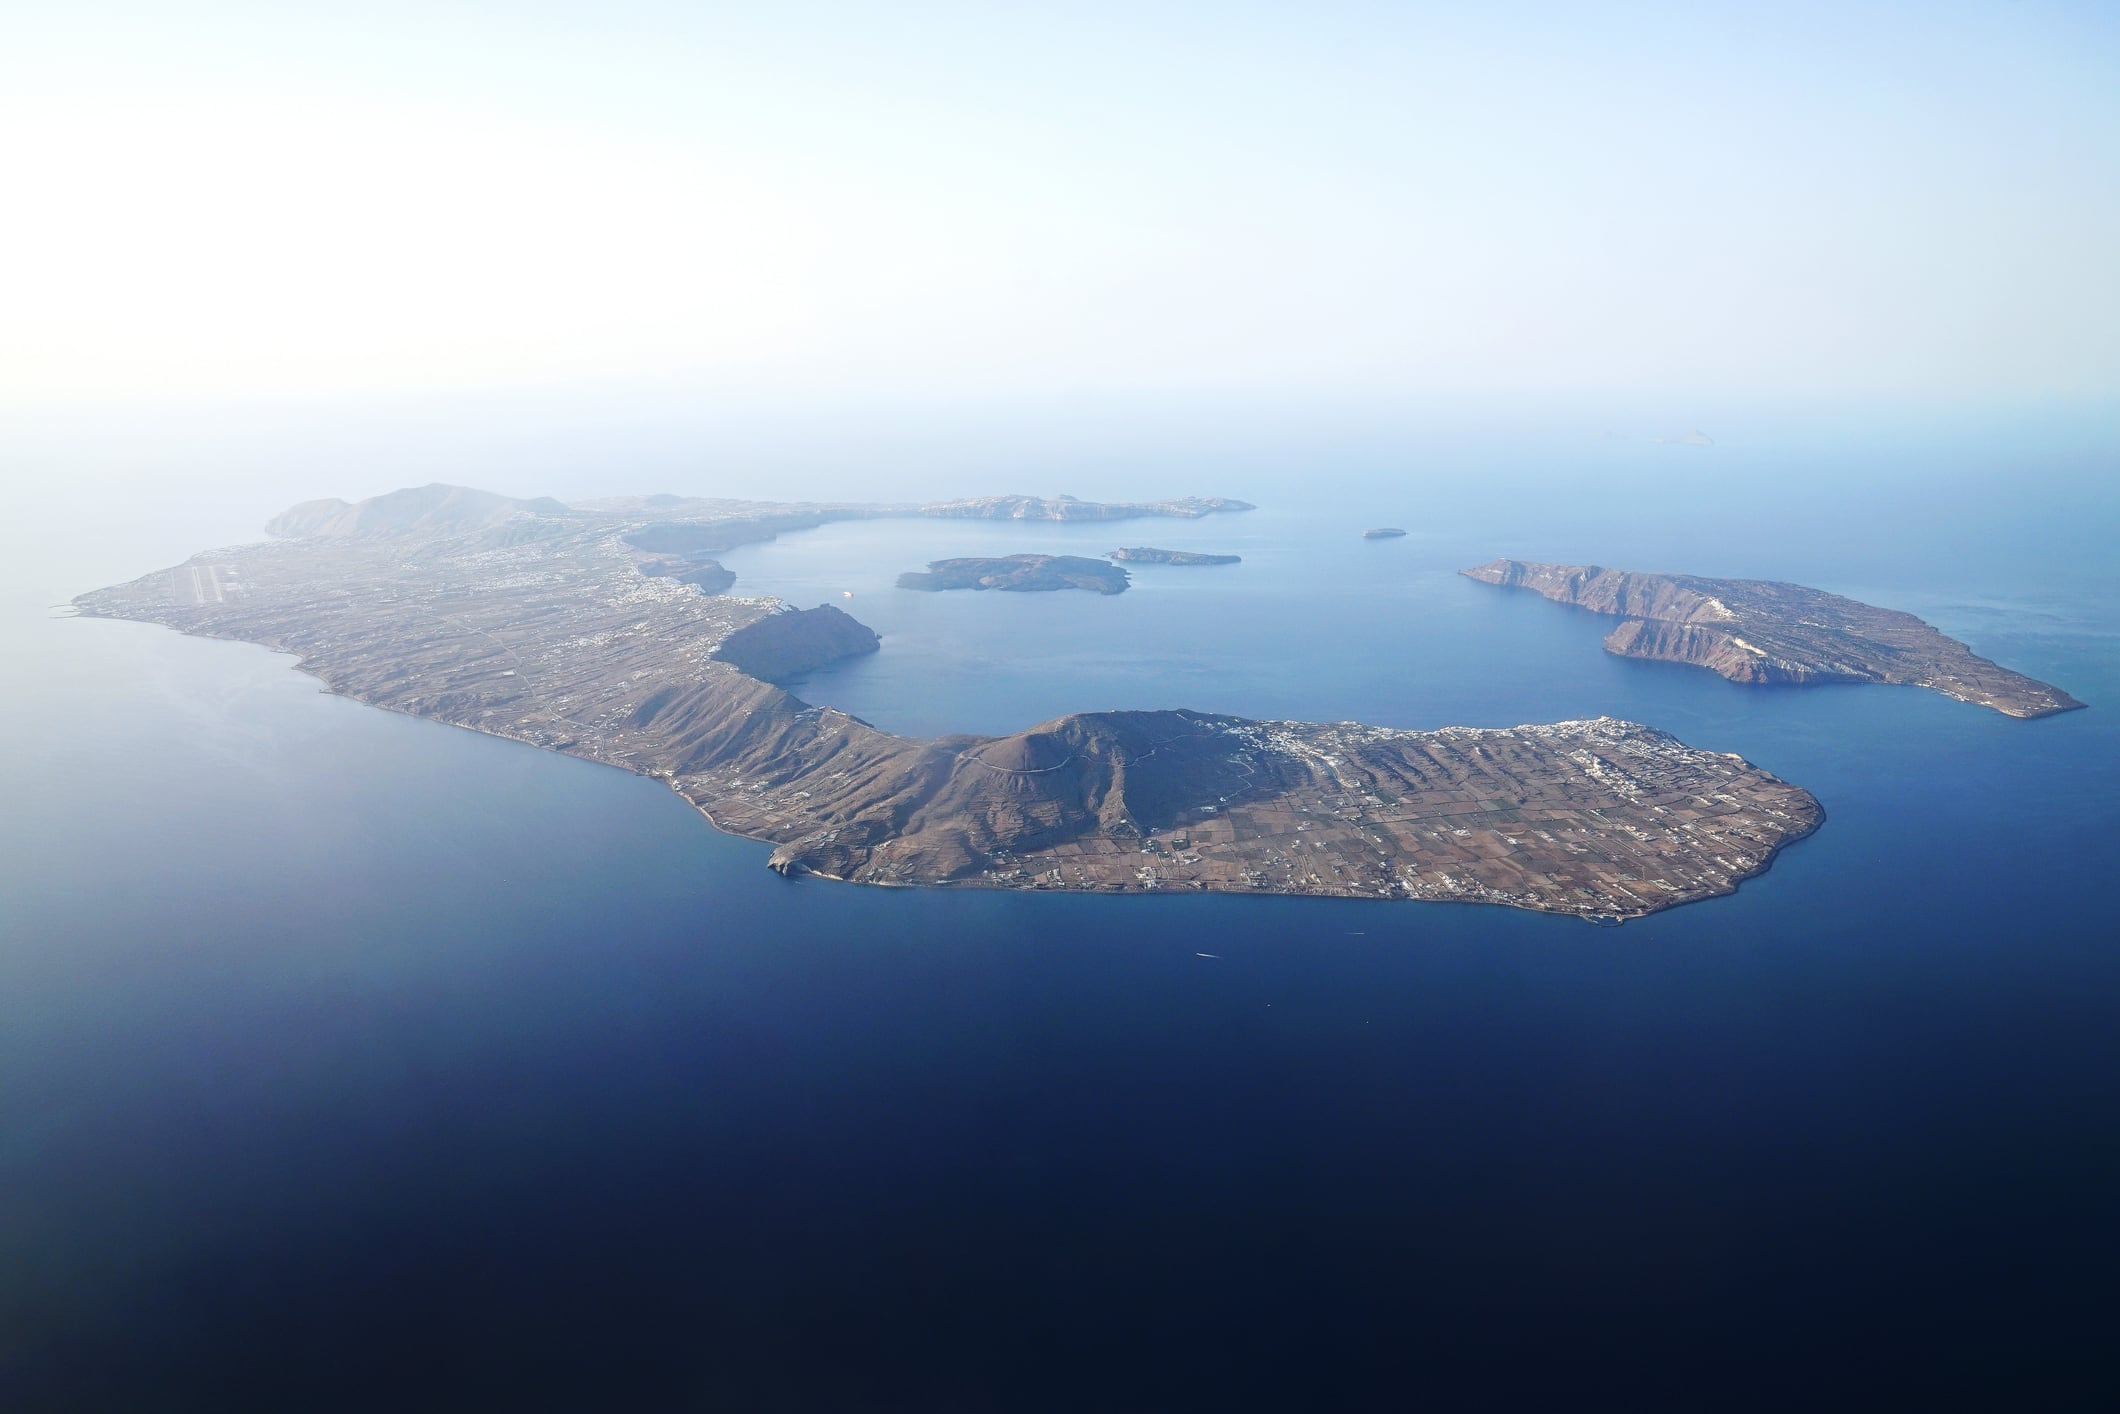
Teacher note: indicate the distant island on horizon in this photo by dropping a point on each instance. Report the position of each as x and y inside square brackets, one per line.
[1019, 573]
[592, 630]
[1148, 555]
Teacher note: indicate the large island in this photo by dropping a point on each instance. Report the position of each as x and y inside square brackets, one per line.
[1764, 631]
[555, 625]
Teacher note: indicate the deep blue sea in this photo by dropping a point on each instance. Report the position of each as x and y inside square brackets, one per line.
[350, 1061]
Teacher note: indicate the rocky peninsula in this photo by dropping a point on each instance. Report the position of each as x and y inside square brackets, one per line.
[537, 622]
[1765, 631]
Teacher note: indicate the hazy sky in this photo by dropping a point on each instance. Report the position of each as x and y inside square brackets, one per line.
[986, 200]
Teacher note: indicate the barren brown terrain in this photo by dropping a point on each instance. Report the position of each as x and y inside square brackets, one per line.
[1764, 631]
[567, 627]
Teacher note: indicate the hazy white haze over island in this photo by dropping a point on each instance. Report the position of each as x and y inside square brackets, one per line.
[815, 201]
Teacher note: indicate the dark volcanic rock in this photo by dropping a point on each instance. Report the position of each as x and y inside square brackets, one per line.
[707, 576]
[796, 641]
[1019, 572]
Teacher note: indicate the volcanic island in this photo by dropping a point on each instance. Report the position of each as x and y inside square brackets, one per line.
[1149, 555]
[1765, 631]
[1024, 573]
[596, 630]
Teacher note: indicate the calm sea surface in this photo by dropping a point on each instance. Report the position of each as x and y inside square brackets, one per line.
[352, 1061]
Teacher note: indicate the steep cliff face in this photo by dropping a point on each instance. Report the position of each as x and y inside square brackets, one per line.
[1764, 631]
[796, 641]
[884, 807]
[1621, 592]
[1120, 775]
[1713, 648]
